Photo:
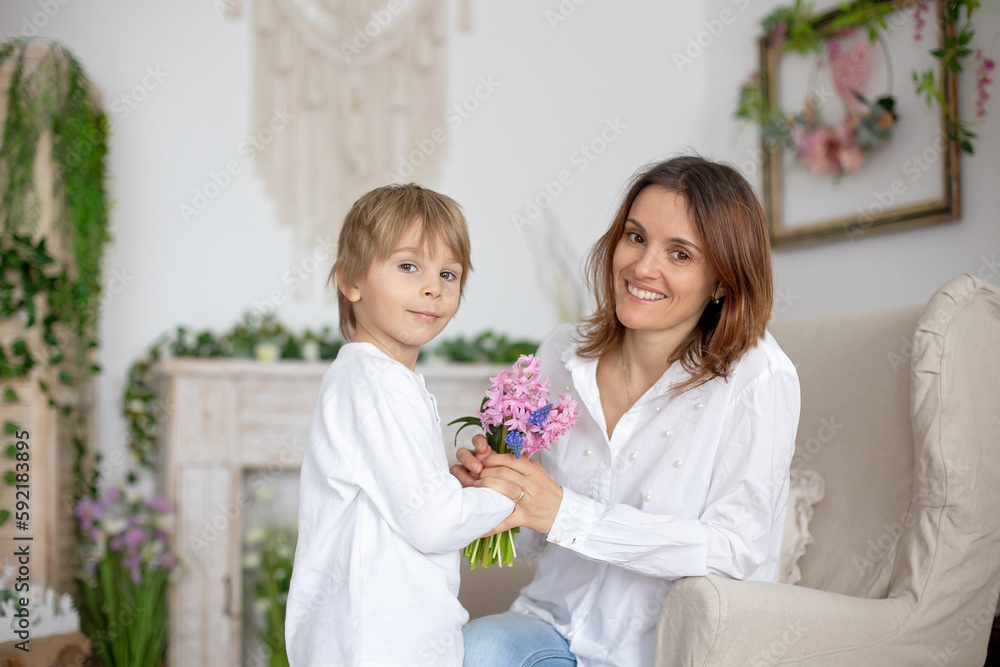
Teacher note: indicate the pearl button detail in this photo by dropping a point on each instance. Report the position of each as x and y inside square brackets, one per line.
[657, 408]
[678, 463]
[587, 452]
[632, 456]
[699, 406]
[667, 433]
[732, 371]
[567, 389]
[648, 497]
[557, 540]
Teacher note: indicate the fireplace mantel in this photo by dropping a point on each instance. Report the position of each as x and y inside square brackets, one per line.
[227, 417]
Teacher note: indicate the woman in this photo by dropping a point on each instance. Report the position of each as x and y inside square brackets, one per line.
[679, 463]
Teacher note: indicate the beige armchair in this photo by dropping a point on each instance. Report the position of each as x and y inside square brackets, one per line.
[901, 416]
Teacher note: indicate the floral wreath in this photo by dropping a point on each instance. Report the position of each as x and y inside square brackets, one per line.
[823, 148]
[866, 125]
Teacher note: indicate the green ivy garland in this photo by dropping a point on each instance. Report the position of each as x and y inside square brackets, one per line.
[795, 28]
[61, 301]
[265, 339]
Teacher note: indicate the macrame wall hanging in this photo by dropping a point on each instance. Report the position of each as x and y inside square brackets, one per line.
[348, 88]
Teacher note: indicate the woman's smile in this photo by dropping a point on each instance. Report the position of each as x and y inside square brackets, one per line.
[643, 293]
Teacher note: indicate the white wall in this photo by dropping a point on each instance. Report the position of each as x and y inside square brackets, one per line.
[557, 89]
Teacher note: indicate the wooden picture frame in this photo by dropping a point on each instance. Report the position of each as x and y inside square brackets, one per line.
[910, 182]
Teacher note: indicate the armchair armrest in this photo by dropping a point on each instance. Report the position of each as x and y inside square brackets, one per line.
[708, 621]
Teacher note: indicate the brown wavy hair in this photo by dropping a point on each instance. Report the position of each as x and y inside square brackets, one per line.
[730, 220]
[377, 221]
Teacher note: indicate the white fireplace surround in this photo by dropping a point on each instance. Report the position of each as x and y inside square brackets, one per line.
[233, 427]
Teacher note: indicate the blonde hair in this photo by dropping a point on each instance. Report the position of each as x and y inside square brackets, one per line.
[377, 221]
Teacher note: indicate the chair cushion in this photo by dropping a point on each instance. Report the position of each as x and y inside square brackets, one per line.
[805, 489]
[854, 430]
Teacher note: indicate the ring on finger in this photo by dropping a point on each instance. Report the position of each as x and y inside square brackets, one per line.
[518, 499]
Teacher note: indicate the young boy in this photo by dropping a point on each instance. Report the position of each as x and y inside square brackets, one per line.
[381, 520]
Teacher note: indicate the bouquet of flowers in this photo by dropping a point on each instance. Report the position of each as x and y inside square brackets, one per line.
[517, 418]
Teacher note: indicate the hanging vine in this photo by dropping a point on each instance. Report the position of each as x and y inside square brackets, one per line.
[58, 300]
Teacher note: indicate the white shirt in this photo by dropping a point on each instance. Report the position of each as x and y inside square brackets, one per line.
[687, 485]
[381, 523]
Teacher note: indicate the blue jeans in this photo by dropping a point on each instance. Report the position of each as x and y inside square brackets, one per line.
[514, 640]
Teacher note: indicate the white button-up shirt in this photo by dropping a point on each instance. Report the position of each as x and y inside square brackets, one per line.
[381, 524]
[687, 485]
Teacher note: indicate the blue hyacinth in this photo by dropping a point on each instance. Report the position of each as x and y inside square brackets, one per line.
[539, 416]
[515, 442]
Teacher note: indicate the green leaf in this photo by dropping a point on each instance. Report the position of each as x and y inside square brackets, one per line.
[10, 428]
[66, 378]
[10, 396]
[967, 147]
[10, 452]
[4, 516]
[10, 477]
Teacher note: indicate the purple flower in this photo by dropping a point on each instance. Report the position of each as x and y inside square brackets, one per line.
[111, 496]
[159, 505]
[133, 562]
[167, 560]
[89, 512]
[133, 538]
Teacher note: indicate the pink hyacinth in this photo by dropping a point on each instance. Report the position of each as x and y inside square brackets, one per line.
[518, 392]
[919, 21]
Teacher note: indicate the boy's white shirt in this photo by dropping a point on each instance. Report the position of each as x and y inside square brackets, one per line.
[381, 524]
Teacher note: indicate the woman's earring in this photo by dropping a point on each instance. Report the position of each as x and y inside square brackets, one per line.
[716, 301]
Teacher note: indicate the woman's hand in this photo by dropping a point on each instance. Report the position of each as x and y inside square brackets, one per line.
[538, 507]
[471, 463]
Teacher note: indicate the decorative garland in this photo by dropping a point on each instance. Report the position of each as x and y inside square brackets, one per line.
[59, 301]
[266, 339]
[838, 149]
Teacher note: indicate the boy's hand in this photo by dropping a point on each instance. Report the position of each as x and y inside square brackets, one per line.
[471, 464]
